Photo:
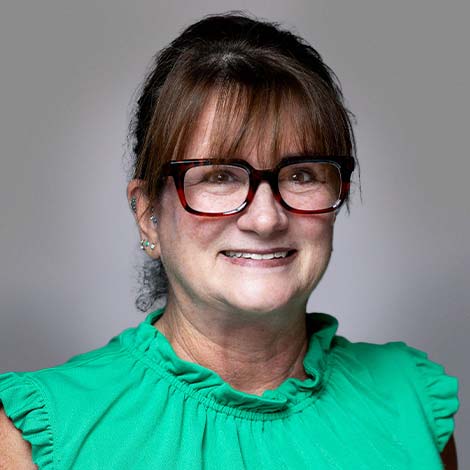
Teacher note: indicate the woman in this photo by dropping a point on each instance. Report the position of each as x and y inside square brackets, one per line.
[243, 158]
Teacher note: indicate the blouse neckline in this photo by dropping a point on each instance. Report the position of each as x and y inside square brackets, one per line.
[208, 387]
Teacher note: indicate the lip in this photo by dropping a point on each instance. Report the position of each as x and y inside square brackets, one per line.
[262, 263]
[263, 251]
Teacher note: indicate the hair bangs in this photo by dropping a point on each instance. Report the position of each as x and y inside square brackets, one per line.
[268, 111]
[272, 121]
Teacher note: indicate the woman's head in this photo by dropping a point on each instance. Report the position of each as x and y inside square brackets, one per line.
[266, 91]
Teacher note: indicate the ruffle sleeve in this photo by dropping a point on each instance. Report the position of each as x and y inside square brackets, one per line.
[440, 397]
[23, 402]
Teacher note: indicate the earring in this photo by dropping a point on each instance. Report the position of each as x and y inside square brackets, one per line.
[146, 244]
[133, 204]
[153, 217]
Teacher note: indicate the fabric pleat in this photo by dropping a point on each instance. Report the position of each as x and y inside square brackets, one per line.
[441, 398]
[24, 404]
[135, 404]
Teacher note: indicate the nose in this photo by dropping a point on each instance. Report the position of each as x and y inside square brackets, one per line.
[264, 215]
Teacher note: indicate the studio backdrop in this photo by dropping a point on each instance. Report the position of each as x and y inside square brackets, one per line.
[69, 248]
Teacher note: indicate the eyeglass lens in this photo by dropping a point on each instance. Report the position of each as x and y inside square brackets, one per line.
[223, 187]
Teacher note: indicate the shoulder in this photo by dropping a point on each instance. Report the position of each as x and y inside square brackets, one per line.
[15, 452]
[419, 387]
[59, 387]
[31, 402]
[384, 365]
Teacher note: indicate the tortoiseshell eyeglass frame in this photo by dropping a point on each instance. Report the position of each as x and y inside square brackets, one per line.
[178, 168]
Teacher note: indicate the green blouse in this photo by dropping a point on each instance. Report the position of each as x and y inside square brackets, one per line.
[133, 404]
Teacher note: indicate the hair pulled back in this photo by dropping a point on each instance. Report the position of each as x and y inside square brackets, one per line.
[261, 77]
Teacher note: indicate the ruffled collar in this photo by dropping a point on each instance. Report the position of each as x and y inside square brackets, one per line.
[208, 386]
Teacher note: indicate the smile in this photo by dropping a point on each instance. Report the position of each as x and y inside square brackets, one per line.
[258, 256]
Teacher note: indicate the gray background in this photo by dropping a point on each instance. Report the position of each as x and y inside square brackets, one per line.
[69, 248]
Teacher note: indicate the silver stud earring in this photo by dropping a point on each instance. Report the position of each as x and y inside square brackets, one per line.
[153, 219]
[146, 244]
[133, 204]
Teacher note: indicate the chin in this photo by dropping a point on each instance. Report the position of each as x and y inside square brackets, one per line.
[261, 300]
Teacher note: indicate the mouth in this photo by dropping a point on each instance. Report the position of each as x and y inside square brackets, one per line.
[277, 253]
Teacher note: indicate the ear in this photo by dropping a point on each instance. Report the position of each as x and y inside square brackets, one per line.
[144, 209]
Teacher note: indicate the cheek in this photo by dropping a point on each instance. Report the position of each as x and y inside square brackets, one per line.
[322, 240]
[198, 234]
[182, 234]
[317, 238]
[316, 231]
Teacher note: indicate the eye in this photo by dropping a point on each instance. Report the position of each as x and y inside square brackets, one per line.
[216, 176]
[302, 176]
[220, 177]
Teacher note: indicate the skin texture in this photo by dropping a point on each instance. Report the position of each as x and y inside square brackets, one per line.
[15, 453]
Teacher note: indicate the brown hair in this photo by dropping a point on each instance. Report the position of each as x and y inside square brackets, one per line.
[267, 85]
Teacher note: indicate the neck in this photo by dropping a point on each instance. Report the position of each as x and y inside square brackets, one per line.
[252, 353]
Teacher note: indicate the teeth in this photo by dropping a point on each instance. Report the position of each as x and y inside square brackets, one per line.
[239, 254]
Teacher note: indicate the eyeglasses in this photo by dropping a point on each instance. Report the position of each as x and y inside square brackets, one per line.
[303, 184]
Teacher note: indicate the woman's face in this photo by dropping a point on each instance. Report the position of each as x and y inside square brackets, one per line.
[195, 250]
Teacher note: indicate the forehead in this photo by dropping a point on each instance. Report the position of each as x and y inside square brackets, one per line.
[223, 130]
